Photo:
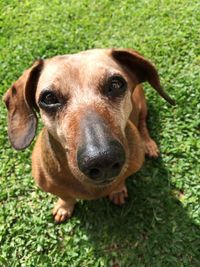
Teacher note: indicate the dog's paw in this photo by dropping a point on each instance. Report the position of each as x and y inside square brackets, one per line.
[63, 210]
[119, 197]
[151, 148]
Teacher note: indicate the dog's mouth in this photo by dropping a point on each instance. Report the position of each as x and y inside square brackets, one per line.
[103, 182]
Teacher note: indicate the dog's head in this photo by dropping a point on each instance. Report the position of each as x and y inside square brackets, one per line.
[85, 102]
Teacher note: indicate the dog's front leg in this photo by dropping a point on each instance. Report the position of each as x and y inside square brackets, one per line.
[118, 196]
[63, 209]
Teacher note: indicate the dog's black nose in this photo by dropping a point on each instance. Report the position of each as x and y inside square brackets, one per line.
[101, 163]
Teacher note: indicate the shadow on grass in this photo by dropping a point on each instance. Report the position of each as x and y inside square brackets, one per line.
[151, 229]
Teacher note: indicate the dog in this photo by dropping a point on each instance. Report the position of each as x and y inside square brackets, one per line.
[94, 112]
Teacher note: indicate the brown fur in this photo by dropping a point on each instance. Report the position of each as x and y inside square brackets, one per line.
[79, 79]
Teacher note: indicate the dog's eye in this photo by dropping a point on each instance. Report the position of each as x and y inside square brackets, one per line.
[49, 101]
[115, 87]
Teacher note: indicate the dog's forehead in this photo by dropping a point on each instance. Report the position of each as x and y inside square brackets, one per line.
[78, 68]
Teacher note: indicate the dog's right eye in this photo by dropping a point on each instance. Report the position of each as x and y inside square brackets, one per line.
[49, 101]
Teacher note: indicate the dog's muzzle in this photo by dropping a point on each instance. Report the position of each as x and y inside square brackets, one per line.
[100, 156]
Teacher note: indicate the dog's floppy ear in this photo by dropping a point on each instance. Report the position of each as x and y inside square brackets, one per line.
[142, 68]
[20, 102]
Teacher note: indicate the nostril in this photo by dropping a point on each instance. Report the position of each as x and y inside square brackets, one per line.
[115, 166]
[94, 173]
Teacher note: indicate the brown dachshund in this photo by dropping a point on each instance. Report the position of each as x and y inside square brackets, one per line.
[94, 111]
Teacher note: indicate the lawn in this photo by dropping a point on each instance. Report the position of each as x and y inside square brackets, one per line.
[159, 226]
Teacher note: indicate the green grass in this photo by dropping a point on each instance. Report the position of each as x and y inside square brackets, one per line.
[160, 224]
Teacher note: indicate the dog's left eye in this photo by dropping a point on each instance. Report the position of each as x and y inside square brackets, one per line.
[49, 101]
[115, 87]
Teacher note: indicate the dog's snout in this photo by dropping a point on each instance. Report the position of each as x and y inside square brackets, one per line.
[101, 163]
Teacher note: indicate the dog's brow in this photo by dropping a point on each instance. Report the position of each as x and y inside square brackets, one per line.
[48, 88]
[109, 74]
